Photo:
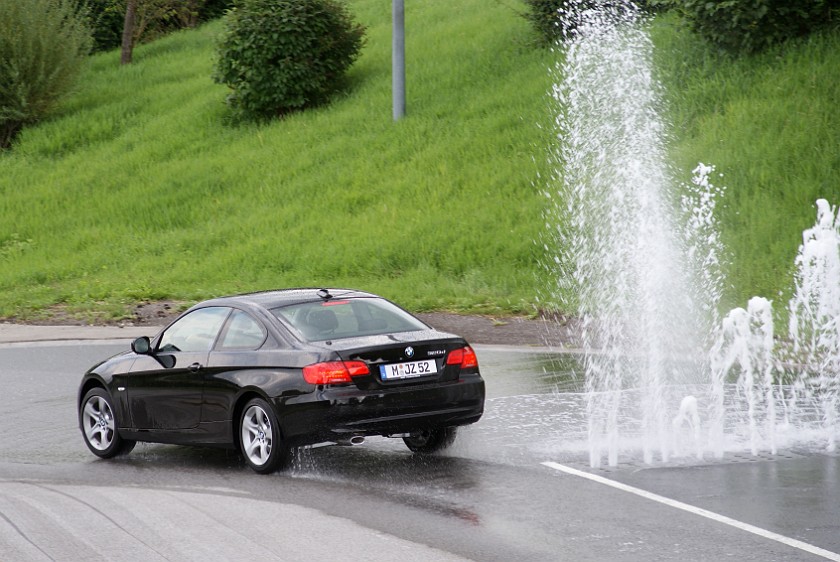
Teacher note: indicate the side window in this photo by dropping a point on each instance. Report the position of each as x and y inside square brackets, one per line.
[243, 332]
[196, 331]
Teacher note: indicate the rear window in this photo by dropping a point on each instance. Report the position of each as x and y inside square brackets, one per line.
[337, 319]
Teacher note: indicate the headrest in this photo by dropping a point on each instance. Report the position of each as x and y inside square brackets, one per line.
[323, 320]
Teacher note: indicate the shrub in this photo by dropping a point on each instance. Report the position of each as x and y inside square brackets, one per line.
[283, 55]
[213, 9]
[752, 25]
[43, 46]
[550, 18]
[554, 20]
[107, 18]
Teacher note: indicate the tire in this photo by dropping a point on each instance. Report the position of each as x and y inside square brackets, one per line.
[99, 424]
[431, 440]
[259, 438]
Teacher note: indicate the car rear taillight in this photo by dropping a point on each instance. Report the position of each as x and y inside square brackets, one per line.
[334, 372]
[465, 357]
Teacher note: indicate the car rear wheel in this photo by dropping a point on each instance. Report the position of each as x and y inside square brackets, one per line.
[99, 426]
[431, 440]
[260, 439]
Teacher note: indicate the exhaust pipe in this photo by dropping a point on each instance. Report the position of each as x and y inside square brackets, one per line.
[350, 441]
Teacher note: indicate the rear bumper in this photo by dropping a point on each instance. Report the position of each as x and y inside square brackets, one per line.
[334, 413]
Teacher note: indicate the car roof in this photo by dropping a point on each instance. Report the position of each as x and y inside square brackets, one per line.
[285, 297]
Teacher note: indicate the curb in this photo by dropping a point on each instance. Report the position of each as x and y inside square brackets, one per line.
[23, 333]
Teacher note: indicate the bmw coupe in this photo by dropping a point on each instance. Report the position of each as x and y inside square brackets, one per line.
[267, 372]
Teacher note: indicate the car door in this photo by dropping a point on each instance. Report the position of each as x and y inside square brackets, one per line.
[234, 364]
[165, 388]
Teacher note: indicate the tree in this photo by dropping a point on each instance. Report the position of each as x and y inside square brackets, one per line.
[128, 32]
[156, 17]
[152, 18]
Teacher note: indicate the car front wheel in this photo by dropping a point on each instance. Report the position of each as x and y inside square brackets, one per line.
[431, 440]
[260, 439]
[99, 426]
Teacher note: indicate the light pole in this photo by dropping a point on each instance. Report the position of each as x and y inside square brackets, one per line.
[398, 58]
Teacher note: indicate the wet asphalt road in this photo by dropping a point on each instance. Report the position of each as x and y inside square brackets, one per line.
[489, 498]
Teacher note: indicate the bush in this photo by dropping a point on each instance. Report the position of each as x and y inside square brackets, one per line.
[555, 20]
[752, 25]
[283, 55]
[213, 9]
[551, 18]
[107, 18]
[43, 46]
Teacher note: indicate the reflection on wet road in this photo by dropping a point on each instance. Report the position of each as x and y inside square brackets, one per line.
[489, 498]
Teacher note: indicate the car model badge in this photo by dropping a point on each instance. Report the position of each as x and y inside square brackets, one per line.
[409, 351]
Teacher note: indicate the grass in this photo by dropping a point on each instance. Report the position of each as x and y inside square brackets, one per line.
[769, 123]
[141, 189]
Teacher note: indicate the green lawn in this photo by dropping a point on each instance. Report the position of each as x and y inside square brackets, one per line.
[140, 188]
[770, 124]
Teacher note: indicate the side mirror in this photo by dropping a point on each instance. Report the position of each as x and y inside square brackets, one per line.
[141, 346]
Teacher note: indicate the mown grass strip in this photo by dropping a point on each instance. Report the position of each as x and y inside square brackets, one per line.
[141, 189]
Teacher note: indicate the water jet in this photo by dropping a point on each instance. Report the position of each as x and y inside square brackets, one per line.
[639, 257]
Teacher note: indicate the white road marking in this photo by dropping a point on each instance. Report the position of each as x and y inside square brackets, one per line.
[699, 511]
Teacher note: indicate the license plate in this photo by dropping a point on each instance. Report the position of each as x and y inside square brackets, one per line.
[408, 370]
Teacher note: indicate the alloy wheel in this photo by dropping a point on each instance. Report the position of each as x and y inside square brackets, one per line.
[256, 435]
[98, 423]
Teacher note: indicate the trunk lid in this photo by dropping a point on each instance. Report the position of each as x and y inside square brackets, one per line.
[402, 358]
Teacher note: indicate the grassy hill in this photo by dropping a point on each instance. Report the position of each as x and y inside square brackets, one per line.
[140, 188]
[770, 125]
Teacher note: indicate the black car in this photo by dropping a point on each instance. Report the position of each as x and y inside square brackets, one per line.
[267, 372]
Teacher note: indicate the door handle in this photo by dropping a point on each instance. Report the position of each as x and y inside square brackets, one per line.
[195, 367]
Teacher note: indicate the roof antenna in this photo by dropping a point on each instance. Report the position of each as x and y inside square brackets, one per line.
[324, 294]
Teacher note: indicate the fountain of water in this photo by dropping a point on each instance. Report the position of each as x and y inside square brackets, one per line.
[745, 341]
[815, 316]
[629, 275]
[646, 280]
